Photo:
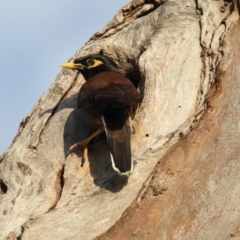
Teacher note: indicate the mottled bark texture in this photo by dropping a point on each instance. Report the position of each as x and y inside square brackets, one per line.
[184, 57]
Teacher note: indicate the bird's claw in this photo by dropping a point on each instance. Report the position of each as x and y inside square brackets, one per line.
[76, 146]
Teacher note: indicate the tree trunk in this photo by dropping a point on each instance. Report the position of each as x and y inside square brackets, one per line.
[183, 55]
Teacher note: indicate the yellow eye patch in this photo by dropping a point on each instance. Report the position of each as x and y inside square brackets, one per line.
[95, 64]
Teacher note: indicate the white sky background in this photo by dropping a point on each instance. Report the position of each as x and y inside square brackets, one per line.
[36, 37]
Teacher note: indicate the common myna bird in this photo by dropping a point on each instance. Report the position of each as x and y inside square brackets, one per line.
[107, 100]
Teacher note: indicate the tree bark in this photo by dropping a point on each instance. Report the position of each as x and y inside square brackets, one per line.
[183, 55]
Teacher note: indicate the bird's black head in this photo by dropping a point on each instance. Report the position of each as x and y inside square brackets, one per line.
[92, 64]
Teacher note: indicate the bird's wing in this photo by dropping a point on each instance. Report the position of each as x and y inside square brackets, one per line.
[118, 94]
[113, 95]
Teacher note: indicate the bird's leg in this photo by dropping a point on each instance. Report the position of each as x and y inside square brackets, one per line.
[84, 144]
[85, 155]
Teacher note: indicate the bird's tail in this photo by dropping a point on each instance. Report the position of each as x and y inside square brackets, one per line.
[118, 128]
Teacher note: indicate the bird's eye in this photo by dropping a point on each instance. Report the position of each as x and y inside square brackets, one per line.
[90, 62]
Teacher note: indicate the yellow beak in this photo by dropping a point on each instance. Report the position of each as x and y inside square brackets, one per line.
[73, 65]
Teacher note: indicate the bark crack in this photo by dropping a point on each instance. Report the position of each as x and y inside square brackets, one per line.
[212, 50]
[21, 234]
[129, 13]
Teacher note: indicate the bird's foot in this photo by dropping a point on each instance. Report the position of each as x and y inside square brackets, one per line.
[86, 141]
[78, 145]
[84, 144]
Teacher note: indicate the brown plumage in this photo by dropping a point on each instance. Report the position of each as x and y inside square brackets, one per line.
[107, 98]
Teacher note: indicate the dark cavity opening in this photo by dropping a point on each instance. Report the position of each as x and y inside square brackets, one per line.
[3, 187]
